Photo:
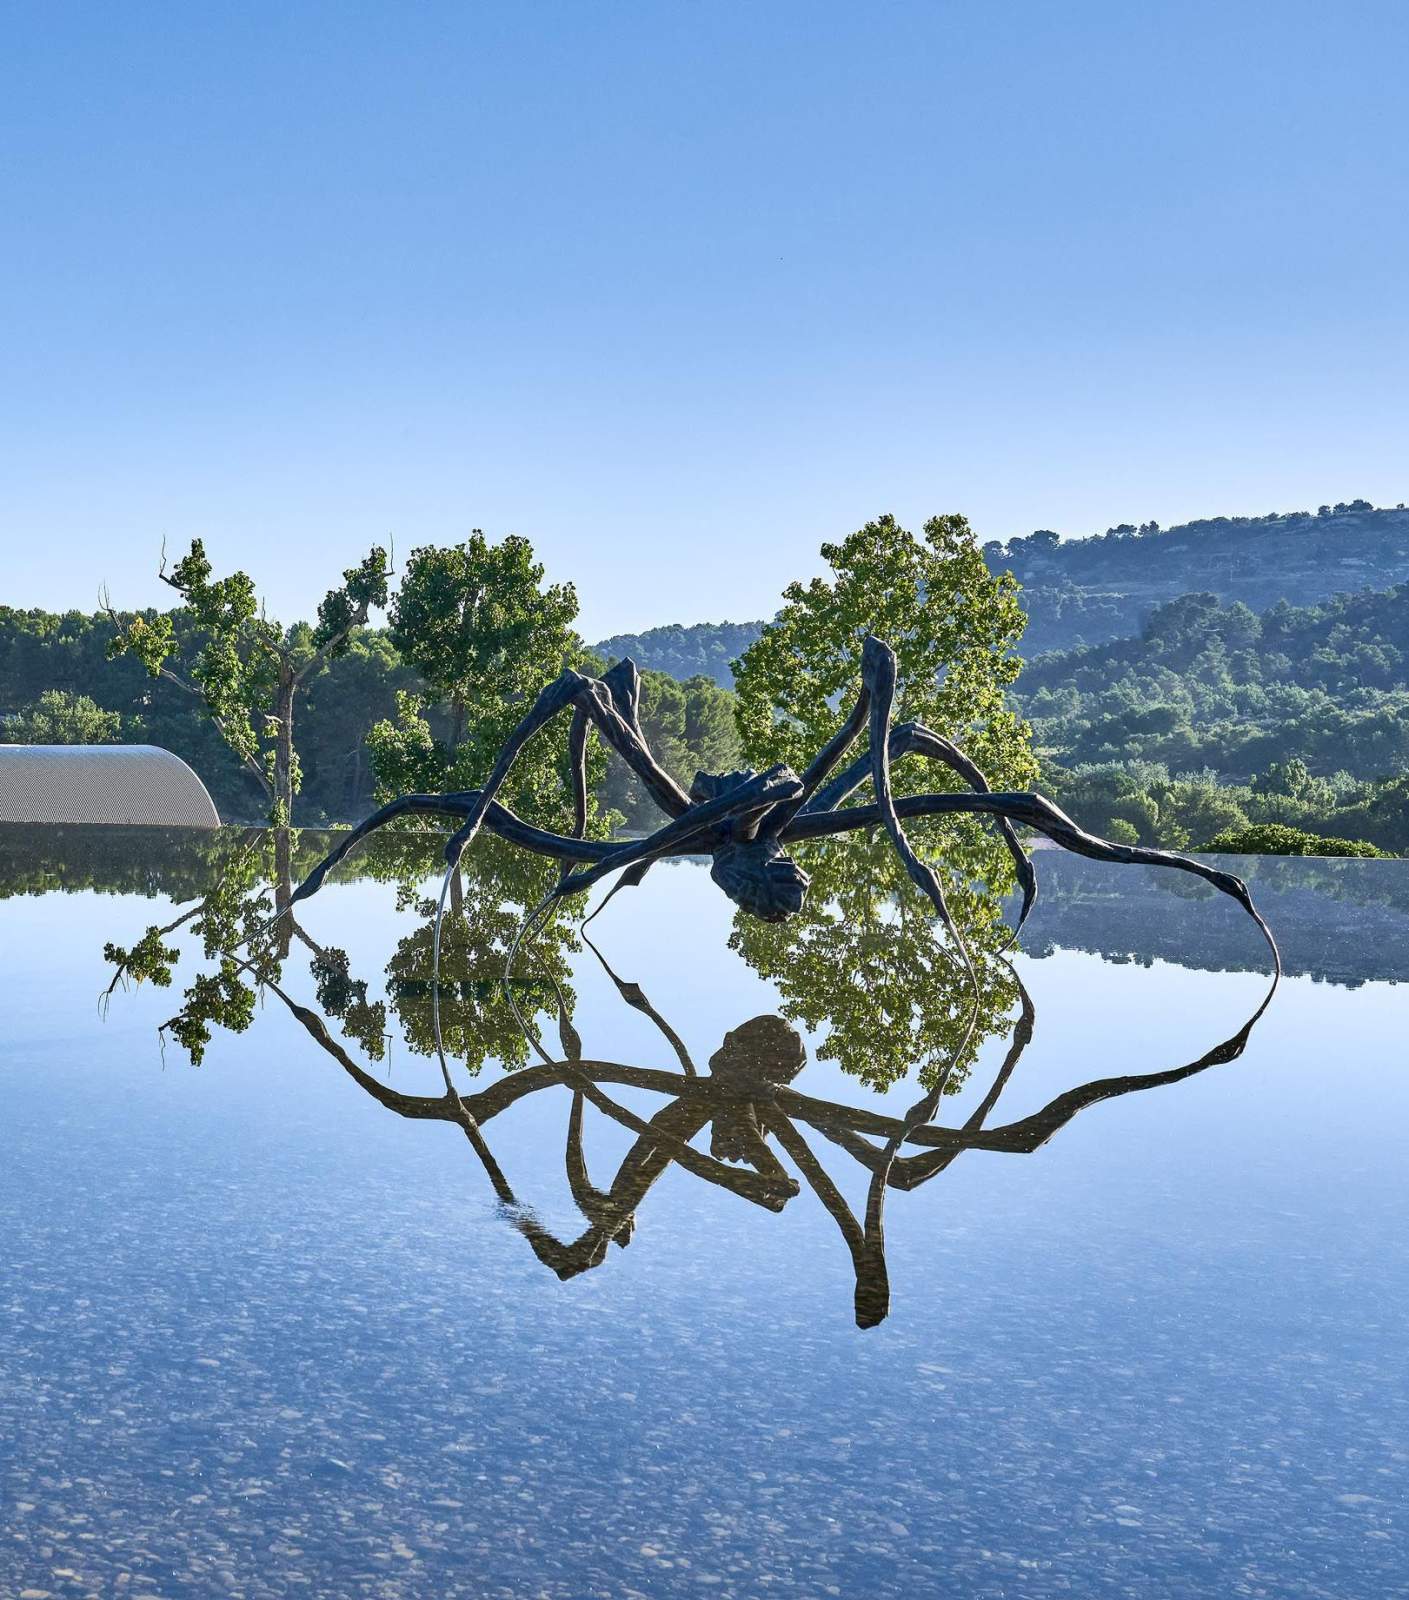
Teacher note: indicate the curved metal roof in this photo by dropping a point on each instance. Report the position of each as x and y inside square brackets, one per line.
[129, 784]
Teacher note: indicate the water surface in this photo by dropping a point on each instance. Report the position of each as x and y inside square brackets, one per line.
[263, 1336]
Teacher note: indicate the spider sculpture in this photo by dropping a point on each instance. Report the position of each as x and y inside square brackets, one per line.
[746, 820]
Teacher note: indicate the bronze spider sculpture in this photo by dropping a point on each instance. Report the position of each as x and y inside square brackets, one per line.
[746, 820]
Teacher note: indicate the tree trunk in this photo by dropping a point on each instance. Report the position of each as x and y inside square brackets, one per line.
[284, 749]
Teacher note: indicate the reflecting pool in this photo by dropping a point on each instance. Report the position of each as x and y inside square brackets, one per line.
[712, 1259]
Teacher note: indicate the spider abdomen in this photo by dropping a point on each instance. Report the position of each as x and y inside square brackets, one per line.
[760, 878]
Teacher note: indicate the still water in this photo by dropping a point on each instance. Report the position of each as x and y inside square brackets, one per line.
[277, 1322]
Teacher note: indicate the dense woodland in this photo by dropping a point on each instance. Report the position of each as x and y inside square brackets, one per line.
[1181, 683]
[1086, 591]
[1214, 715]
[58, 687]
[1212, 685]
[707, 649]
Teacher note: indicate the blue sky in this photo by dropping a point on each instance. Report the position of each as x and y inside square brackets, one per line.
[679, 290]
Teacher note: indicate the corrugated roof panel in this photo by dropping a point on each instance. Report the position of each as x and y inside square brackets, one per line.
[118, 784]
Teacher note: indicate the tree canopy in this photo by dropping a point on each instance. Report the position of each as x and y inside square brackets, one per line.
[486, 634]
[58, 717]
[246, 669]
[954, 627]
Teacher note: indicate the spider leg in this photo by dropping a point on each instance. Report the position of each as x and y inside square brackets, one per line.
[597, 701]
[746, 800]
[659, 1145]
[611, 704]
[577, 755]
[914, 738]
[906, 738]
[834, 749]
[1028, 1133]
[633, 994]
[452, 805]
[593, 1203]
[910, 1172]
[499, 820]
[1032, 1132]
[872, 1296]
[556, 697]
[879, 673]
[623, 683]
[1033, 811]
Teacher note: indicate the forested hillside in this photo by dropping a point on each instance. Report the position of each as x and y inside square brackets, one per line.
[1206, 684]
[1226, 673]
[1085, 591]
[706, 648]
[1216, 719]
[58, 687]
[1192, 682]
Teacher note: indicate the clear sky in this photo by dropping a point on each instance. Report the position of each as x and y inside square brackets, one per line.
[681, 289]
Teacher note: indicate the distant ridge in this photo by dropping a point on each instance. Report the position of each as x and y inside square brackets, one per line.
[704, 649]
[1088, 591]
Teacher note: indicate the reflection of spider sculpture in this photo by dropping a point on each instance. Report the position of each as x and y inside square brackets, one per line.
[745, 1098]
[745, 819]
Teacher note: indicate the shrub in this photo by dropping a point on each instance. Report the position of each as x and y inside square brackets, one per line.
[1277, 839]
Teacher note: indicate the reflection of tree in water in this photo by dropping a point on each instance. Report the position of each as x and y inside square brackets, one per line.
[69, 858]
[249, 948]
[866, 961]
[231, 916]
[1341, 921]
[485, 911]
[345, 997]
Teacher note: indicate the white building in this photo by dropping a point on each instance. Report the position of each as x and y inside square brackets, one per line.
[117, 784]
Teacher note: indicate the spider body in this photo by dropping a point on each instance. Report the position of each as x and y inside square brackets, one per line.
[754, 871]
[746, 820]
[760, 878]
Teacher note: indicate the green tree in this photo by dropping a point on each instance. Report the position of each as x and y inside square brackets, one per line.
[864, 958]
[343, 702]
[245, 669]
[1117, 800]
[1293, 779]
[486, 635]
[58, 717]
[1196, 809]
[953, 626]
